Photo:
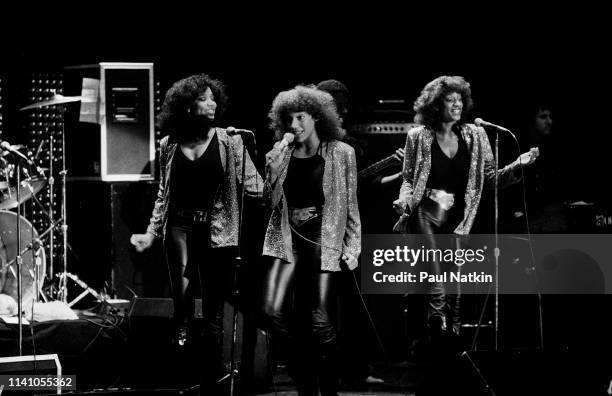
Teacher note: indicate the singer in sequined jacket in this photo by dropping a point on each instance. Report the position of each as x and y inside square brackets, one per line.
[311, 188]
[417, 164]
[196, 213]
[341, 225]
[224, 217]
[447, 163]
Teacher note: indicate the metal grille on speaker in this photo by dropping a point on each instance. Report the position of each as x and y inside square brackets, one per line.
[381, 128]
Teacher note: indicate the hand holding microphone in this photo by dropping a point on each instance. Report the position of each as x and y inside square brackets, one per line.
[274, 157]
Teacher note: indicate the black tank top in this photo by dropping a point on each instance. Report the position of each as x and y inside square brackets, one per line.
[304, 182]
[450, 174]
[195, 183]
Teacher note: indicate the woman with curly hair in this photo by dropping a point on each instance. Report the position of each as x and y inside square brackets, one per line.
[314, 226]
[196, 211]
[446, 165]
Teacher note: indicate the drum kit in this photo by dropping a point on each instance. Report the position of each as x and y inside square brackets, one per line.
[23, 261]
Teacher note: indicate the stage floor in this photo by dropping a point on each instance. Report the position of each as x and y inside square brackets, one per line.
[112, 354]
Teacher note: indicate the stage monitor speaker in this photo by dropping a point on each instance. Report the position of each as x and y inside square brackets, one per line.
[42, 364]
[164, 308]
[30, 365]
[130, 392]
[152, 307]
[111, 135]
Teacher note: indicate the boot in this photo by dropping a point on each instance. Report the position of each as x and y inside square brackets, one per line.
[454, 308]
[304, 378]
[329, 375]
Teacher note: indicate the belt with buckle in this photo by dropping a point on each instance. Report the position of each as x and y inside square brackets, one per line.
[299, 216]
[197, 216]
[444, 199]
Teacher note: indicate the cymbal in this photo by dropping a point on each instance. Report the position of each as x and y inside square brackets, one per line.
[9, 201]
[56, 99]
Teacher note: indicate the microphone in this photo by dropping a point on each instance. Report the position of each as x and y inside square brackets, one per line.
[483, 123]
[236, 131]
[6, 146]
[286, 141]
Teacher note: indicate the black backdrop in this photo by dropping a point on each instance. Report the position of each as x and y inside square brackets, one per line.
[509, 57]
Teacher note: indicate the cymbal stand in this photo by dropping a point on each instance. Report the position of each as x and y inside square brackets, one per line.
[51, 201]
[63, 290]
[36, 248]
[19, 261]
[32, 245]
[35, 252]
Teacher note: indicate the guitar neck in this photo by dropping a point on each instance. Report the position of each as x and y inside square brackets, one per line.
[378, 166]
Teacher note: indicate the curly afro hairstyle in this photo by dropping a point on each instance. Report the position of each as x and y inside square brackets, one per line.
[319, 104]
[428, 106]
[174, 114]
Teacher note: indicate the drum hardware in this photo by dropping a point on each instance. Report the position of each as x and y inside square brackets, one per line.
[86, 289]
[35, 245]
[6, 233]
[58, 99]
[15, 197]
[12, 198]
[29, 188]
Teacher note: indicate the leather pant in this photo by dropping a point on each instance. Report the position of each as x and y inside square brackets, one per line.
[190, 257]
[312, 291]
[428, 220]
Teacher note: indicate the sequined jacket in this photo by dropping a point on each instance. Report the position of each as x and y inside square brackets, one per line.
[417, 165]
[341, 225]
[224, 216]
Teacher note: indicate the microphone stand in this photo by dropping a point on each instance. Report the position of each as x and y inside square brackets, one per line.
[496, 250]
[238, 263]
[19, 251]
[19, 260]
[497, 128]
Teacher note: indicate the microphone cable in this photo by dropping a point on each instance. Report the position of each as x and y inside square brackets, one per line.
[358, 289]
[532, 257]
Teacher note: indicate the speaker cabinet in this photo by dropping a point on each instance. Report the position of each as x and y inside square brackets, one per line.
[102, 217]
[111, 135]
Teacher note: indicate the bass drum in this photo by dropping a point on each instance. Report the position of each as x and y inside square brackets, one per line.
[31, 258]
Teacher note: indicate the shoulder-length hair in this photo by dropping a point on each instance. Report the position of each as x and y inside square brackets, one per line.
[428, 106]
[175, 115]
[319, 104]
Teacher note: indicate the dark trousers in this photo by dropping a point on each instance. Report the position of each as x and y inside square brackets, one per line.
[190, 258]
[308, 337]
[428, 220]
